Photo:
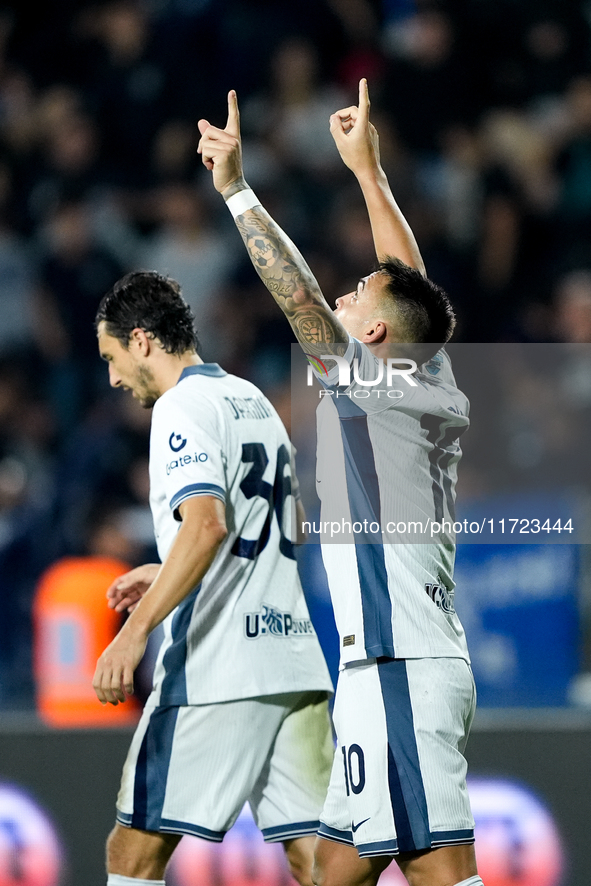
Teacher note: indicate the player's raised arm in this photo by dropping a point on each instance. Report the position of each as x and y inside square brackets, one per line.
[357, 141]
[278, 262]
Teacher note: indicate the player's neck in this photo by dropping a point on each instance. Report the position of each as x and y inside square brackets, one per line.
[172, 367]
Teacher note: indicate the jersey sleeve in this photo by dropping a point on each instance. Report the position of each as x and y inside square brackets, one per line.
[187, 452]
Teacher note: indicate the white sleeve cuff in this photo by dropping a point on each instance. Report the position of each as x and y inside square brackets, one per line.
[241, 201]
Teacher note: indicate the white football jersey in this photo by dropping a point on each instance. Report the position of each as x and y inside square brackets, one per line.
[245, 630]
[386, 470]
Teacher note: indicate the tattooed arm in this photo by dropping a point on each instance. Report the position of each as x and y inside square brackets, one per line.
[285, 273]
[278, 262]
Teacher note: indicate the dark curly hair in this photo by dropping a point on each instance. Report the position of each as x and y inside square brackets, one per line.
[149, 301]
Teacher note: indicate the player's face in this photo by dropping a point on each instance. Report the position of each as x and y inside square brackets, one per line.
[357, 309]
[125, 371]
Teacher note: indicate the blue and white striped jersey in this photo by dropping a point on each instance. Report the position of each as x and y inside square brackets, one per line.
[387, 460]
[245, 631]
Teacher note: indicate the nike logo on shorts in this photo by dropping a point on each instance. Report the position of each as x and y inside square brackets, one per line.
[355, 827]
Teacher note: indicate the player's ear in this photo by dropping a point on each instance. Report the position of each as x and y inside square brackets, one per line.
[140, 341]
[376, 332]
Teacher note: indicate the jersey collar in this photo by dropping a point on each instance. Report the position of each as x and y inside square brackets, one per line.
[213, 370]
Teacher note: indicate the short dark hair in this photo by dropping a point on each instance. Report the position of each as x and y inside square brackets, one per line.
[422, 308]
[149, 301]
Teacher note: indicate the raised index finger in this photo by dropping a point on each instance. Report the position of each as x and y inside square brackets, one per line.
[233, 124]
[363, 99]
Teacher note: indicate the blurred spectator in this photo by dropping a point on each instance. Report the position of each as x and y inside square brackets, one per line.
[572, 303]
[26, 540]
[427, 67]
[573, 167]
[24, 543]
[18, 123]
[126, 85]
[73, 625]
[292, 115]
[174, 154]
[66, 164]
[101, 461]
[19, 327]
[363, 55]
[187, 247]
[74, 272]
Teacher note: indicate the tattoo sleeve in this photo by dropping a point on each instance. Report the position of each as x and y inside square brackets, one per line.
[285, 273]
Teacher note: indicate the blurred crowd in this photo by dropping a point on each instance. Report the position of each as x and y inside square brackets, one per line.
[484, 113]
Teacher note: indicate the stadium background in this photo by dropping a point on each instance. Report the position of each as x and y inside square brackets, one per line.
[484, 114]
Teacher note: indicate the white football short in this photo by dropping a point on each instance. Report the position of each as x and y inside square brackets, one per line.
[191, 769]
[398, 782]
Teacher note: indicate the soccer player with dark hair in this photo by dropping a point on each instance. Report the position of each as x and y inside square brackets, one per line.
[405, 696]
[239, 708]
[146, 300]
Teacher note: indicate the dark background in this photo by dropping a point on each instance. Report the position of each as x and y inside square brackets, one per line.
[484, 114]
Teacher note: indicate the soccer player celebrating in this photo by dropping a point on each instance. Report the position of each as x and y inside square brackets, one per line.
[239, 708]
[405, 696]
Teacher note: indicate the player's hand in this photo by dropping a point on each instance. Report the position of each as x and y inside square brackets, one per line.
[113, 677]
[221, 150]
[355, 137]
[127, 590]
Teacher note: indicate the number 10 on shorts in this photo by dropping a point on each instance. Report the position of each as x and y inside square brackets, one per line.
[354, 763]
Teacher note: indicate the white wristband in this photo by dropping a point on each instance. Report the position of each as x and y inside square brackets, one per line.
[241, 201]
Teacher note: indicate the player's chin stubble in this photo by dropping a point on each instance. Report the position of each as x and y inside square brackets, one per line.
[146, 388]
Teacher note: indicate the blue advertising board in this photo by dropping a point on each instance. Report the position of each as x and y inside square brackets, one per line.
[519, 606]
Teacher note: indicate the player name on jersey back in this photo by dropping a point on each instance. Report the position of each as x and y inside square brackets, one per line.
[249, 407]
